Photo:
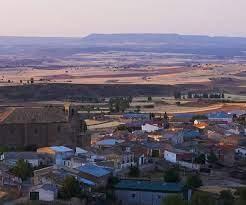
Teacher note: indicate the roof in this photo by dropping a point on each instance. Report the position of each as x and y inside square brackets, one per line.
[22, 155]
[219, 115]
[184, 115]
[33, 115]
[61, 149]
[109, 142]
[151, 186]
[86, 181]
[190, 133]
[49, 187]
[93, 170]
[54, 149]
[136, 115]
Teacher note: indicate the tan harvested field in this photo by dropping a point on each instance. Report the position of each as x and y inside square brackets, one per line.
[145, 75]
[104, 125]
[174, 109]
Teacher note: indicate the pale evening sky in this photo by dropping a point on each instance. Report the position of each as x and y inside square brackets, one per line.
[82, 17]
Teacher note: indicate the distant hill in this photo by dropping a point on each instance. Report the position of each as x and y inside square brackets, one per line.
[173, 43]
[172, 39]
[94, 43]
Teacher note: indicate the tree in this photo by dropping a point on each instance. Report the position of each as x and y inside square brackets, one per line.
[172, 175]
[189, 95]
[70, 188]
[149, 98]
[119, 104]
[205, 95]
[134, 171]
[165, 121]
[174, 200]
[177, 95]
[193, 181]
[202, 198]
[138, 108]
[201, 159]
[212, 158]
[226, 197]
[242, 197]
[22, 169]
[112, 181]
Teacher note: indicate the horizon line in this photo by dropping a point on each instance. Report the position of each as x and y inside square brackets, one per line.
[123, 33]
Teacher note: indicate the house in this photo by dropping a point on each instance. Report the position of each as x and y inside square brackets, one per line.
[94, 173]
[59, 153]
[79, 151]
[127, 158]
[75, 162]
[46, 192]
[155, 136]
[241, 152]
[137, 116]
[57, 174]
[150, 127]
[176, 155]
[225, 154]
[106, 143]
[7, 179]
[156, 149]
[144, 192]
[33, 158]
[190, 134]
[174, 137]
[183, 117]
[121, 155]
[220, 117]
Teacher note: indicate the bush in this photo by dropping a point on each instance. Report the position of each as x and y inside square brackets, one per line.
[22, 169]
[134, 172]
[172, 175]
[174, 200]
[193, 181]
[70, 188]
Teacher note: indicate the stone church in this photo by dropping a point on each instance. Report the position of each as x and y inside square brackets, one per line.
[42, 126]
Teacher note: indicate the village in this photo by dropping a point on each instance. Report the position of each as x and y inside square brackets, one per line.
[122, 156]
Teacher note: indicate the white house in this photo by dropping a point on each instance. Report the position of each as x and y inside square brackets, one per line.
[150, 128]
[60, 153]
[176, 155]
[170, 156]
[46, 192]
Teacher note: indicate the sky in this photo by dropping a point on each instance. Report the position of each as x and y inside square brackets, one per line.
[82, 17]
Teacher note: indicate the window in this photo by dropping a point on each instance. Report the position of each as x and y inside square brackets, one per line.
[12, 130]
[35, 131]
[133, 195]
[58, 128]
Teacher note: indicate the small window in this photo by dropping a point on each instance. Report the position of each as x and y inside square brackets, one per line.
[12, 130]
[58, 128]
[35, 131]
[133, 195]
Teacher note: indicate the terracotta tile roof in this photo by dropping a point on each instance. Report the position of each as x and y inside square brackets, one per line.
[33, 115]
